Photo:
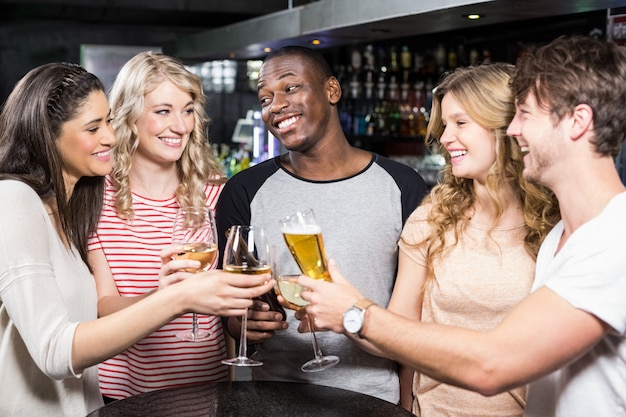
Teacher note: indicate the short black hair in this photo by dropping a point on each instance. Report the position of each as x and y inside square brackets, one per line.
[319, 65]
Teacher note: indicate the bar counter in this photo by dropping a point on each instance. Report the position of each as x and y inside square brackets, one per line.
[253, 399]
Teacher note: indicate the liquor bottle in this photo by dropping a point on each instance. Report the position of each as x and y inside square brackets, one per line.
[393, 60]
[381, 117]
[355, 86]
[369, 58]
[356, 62]
[486, 56]
[418, 63]
[394, 118]
[370, 122]
[394, 67]
[440, 58]
[405, 118]
[358, 122]
[345, 116]
[369, 84]
[394, 88]
[405, 85]
[381, 86]
[452, 59]
[369, 68]
[461, 56]
[473, 56]
[405, 58]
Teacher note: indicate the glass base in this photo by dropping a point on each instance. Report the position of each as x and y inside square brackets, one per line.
[241, 361]
[319, 364]
[189, 336]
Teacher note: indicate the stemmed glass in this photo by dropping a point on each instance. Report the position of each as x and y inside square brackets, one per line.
[195, 230]
[246, 252]
[303, 236]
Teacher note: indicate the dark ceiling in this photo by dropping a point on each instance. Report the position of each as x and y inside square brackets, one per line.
[200, 14]
[213, 29]
[200, 30]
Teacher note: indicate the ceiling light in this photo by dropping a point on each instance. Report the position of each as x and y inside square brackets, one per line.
[473, 16]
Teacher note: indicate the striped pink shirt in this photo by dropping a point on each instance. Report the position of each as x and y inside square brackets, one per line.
[161, 360]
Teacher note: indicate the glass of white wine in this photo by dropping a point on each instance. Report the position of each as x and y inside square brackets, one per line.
[195, 230]
[303, 236]
[247, 252]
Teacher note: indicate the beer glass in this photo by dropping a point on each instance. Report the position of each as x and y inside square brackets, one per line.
[247, 252]
[195, 230]
[303, 236]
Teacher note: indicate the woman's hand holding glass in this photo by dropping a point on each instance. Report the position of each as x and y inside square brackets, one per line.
[217, 292]
[174, 270]
[221, 293]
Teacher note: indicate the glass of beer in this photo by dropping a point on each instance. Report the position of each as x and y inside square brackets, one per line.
[247, 252]
[195, 230]
[303, 237]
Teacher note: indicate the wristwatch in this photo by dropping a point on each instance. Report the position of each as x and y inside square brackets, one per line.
[353, 317]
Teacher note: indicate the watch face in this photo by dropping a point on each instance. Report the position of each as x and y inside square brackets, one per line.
[352, 320]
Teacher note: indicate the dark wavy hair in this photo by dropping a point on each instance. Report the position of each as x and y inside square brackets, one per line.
[30, 124]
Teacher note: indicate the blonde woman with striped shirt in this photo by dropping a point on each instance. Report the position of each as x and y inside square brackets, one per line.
[162, 161]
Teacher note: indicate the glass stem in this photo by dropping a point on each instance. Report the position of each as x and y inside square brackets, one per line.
[194, 326]
[316, 349]
[243, 344]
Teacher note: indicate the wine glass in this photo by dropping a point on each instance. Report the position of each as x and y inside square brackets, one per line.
[303, 236]
[195, 230]
[246, 252]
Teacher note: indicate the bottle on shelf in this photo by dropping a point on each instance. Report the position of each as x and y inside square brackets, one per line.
[371, 122]
[382, 128]
[393, 91]
[369, 58]
[356, 62]
[345, 116]
[358, 122]
[440, 58]
[368, 85]
[381, 86]
[405, 57]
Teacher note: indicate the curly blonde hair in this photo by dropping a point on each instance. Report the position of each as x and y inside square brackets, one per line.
[197, 165]
[483, 91]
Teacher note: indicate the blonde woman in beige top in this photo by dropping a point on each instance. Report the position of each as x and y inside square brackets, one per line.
[467, 254]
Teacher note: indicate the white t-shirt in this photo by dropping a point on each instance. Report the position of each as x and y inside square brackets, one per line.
[45, 291]
[590, 273]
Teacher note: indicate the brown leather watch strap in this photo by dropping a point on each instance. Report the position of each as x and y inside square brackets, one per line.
[364, 304]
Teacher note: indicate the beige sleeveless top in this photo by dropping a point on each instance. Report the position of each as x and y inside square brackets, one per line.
[477, 281]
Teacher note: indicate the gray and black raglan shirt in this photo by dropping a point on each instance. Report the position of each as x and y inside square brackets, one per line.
[361, 219]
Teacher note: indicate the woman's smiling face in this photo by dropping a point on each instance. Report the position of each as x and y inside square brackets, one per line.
[472, 148]
[86, 140]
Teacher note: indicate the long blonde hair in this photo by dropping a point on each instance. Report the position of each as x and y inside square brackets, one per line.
[484, 93]
[197, 165]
